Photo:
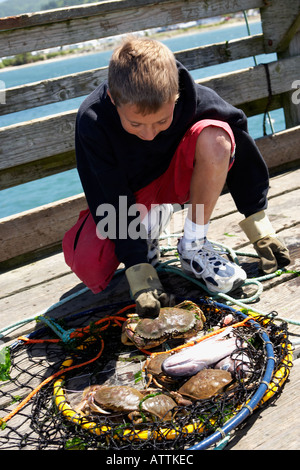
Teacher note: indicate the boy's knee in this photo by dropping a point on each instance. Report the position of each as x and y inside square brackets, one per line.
[214, 142]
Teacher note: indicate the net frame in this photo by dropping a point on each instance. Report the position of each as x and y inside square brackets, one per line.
[268, 388]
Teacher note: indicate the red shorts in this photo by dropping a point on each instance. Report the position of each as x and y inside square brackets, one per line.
[93, 259]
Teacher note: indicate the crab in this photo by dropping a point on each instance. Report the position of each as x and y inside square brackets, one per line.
[104, 399]
[154, 371]
[156, 404]
[205, 384]
[139, 405]
[172, 322]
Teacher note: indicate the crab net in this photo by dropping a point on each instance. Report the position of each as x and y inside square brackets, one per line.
[41, 392]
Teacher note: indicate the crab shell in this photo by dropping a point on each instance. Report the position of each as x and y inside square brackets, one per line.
[154, 371]
[172, 322]
[125, 399]
[153, 363]
[118, 398]
[159, 405]
[205, 384]
[105, 399]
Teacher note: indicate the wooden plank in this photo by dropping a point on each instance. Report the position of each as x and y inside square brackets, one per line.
[54, 135]
[210, 8]
[250, 84]
[36, 139]
[279, 23]
[34, 230]
[38, 298]
[283, 299]
[276, 427]
[285, 42]
[290, 99]
[82, 83]
[39, 272]
[284, 183]
[21, 306]
[218, 53]
[280, 148]
[37, 169]
[68, 13]
[119, 18]
[259, 106]
[52, 90]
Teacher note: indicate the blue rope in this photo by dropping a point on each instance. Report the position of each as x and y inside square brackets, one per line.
[254, 401]
[64, 335]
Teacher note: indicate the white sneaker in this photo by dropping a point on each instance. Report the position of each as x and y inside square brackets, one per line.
[203, 261]
[158, 220]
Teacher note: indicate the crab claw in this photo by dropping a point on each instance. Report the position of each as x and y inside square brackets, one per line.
[88, 401]
[128, 331]
[97, 408]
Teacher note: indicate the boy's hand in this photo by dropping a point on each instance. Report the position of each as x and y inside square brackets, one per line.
[147, 290]
[272, 251]
[273, 254]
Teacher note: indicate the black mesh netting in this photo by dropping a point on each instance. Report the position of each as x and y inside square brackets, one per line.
[42, 424]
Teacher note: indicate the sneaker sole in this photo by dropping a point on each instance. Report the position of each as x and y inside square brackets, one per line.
[236, 284]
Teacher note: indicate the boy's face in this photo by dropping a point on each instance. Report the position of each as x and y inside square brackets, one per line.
[146, 127]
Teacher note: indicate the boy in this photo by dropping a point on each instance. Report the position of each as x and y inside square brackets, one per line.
[151, 136]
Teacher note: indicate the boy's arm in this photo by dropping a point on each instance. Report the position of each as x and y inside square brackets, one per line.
[103, 183]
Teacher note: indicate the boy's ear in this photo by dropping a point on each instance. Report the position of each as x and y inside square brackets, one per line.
[108, 92]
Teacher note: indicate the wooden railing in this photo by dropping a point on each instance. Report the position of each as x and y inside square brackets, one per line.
[45, 146]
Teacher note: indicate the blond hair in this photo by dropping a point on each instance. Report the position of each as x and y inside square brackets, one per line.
[143, 72]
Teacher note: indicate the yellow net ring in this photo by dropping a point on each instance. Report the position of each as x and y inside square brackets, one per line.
[61, 401]
[68, 412]
[283, 371]
[280, 376]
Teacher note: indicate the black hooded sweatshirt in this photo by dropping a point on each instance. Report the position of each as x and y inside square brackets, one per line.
[112, 162]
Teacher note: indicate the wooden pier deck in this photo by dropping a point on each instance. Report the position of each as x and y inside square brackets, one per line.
[31, 289]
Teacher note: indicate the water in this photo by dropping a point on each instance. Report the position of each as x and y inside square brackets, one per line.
[62, 185]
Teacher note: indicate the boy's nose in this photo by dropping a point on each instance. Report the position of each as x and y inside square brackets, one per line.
[148, 133]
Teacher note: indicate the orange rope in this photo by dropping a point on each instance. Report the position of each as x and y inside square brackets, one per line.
[126, 308]
[31, 341]
[81, 332]
[46, 381]
[196, 341]
[78, 333]
[62, 371]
